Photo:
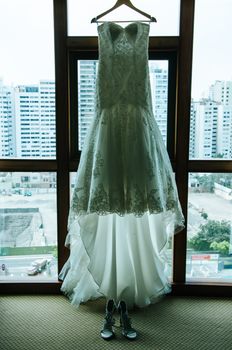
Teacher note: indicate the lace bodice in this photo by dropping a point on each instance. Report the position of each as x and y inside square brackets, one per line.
[123, 75]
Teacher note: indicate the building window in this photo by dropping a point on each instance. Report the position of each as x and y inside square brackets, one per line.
[28, 210]
[209, 238]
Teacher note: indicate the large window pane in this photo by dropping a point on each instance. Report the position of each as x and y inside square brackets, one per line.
[166, 13]
[211, 109]
[28, 226]
[209, 254]
[27, 87]
[87, 72]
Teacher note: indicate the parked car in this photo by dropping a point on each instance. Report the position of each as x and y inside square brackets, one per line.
[37, 266]
[32, 271]
[40, 263]
[27, 193]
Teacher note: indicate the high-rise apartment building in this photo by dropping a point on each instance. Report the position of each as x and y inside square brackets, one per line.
[47, 119]
[211, 123]
[192, 133]
[225, 132]
[221, 91]
[27, 121]
[87, 73]
[205, 128]
[7, 130]
[159, 89]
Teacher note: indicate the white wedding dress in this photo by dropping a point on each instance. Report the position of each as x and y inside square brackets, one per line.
[125, 204]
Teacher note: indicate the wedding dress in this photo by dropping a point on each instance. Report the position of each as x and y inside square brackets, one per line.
[125, 205]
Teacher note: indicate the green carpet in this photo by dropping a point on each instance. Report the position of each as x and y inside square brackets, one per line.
[175, 323]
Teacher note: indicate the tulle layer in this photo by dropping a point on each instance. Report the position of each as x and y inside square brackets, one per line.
[118, 257]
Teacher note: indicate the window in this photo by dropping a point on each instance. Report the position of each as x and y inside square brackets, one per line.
[209, 227]
[211, 79]
[28, 210]
[28, 232]
[31, 91]
[79, 17]
[26, 70]
[209, 239]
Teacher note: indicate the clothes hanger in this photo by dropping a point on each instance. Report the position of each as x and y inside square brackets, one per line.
[127, 3]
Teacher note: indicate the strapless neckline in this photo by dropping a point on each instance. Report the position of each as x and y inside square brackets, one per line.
[123, 28]
[132, 31]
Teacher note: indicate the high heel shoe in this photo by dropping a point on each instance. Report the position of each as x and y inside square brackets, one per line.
[107, 332]
[128, 332]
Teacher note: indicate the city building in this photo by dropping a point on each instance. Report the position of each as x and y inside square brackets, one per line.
[211, 123]
[225, 133]
[159, 92]
[27, 183]
[27, 115]
[35, 120]
[221, 91]
[87, 73]
[205, 115]
[192, 131]
[27, 121]
[47, 119]
[7, 130]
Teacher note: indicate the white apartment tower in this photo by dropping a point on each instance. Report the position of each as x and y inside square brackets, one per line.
[205, 128]
[192, 134]
[47, 118]
[211, 123]
[35, 120]
[87, 73]
[221, 91]
[27, 121]
[159, 89]
[225, 134]
[7, 134]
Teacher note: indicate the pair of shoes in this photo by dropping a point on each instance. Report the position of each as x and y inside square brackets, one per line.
[107, 332]
[128, 332]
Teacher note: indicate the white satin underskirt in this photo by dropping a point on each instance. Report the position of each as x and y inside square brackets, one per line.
[123, 258]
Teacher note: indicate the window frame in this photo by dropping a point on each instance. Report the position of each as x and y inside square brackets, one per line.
[65, 162]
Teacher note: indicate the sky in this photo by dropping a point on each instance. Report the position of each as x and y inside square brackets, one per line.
[26, 36]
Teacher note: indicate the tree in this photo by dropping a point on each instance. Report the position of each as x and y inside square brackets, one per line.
[212, 231]
[204, 215]
[222, 247]
[206, 181]
[218, 155]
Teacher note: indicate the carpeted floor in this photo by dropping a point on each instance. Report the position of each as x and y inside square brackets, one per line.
[175, 323]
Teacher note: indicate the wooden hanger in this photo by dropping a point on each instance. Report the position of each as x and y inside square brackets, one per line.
[127, 3]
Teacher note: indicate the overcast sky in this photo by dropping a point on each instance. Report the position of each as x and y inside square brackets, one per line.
[26, 35]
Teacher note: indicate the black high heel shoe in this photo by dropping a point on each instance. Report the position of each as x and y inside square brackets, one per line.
[128, 332]
[107, 331]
